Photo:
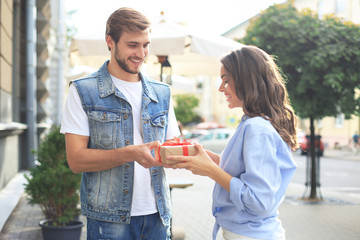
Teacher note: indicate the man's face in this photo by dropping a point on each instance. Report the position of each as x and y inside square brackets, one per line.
[131, 51]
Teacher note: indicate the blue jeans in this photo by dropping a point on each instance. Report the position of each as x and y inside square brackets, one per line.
[148, 227]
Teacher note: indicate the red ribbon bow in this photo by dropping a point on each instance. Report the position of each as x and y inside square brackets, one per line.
[177, 142]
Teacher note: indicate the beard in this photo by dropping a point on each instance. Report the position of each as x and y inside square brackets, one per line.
[122, 63]
[125, 67]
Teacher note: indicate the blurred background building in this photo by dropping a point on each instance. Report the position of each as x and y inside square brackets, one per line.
[32, 67]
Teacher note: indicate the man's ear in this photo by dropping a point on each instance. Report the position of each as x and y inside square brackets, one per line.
[110, 42]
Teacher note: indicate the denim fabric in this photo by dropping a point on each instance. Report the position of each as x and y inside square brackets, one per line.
[107, 195]
[148, 227]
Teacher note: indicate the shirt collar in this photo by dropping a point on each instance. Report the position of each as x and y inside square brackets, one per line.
[107, 87]
[244, 118]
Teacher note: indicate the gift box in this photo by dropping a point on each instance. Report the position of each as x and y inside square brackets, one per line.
[174, 147]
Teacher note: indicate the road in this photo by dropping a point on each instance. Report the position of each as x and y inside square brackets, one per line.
[334, 218]
[335, 174]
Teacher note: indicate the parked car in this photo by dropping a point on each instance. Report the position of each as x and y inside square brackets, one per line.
[193, 135]
[304, 145]
[216, 139]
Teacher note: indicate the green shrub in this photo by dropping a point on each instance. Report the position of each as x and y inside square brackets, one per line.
[52, 184]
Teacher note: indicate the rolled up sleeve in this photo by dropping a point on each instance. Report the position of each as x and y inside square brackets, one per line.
[254, 190]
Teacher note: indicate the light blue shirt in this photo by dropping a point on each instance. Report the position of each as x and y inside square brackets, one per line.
[262, 166]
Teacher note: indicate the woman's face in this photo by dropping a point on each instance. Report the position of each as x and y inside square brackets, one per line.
[228, 88]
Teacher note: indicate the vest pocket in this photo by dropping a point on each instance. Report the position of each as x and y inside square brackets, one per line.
[104, 127]
[158, 124]
[159, 120]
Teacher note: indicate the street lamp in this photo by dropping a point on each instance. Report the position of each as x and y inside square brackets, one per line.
[165, 70]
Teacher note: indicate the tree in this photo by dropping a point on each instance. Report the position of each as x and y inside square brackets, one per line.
[320, 59]
[184, 108]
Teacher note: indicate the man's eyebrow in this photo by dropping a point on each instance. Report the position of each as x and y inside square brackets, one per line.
[134, 42]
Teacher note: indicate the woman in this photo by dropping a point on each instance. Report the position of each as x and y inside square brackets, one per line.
[256, 166]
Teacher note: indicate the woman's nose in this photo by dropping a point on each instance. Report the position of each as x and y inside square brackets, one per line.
[221, 87]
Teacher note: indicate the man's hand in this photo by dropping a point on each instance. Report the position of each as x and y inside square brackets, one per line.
[83, 159]
[142, 154]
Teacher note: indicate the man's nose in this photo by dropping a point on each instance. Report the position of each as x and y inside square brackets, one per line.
[142, 53]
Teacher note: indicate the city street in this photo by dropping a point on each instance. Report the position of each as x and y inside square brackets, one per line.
[333, 218]
[115, 74]
[336, 217]
[336, 174]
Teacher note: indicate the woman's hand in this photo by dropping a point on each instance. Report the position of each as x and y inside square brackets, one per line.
[204, 165]
[200, 164]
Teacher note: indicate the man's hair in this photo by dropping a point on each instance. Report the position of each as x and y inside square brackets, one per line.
[260, 87]
[125, 20]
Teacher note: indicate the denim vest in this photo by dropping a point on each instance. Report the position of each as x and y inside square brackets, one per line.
[107, 195]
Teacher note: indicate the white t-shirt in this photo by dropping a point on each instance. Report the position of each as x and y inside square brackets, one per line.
[75, 121]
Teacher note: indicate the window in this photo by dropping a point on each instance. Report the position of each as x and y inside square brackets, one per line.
[321, 9]
[222, 136]
[207, 137]
[340, 6]
[319, 123]
[339, 121]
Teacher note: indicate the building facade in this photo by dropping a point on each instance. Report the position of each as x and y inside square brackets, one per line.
[32, 45]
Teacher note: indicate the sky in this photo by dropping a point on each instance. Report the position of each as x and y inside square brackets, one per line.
[204, 16]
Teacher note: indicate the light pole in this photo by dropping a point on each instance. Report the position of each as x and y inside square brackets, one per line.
[165, 70]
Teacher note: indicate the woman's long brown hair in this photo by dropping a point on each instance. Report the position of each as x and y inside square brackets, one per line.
[260, 87]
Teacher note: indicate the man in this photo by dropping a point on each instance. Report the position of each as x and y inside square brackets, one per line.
[356, 141]
[113, 119]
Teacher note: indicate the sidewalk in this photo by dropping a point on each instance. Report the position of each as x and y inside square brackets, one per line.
[337, 217]
[345, 154]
